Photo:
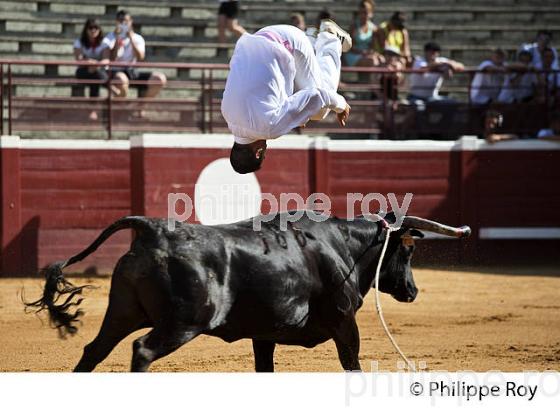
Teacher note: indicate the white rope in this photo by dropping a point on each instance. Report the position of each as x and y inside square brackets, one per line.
[410, 365]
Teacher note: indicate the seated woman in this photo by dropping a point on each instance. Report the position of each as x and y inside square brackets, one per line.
[89, 48]
[393, 33]
[363, 32]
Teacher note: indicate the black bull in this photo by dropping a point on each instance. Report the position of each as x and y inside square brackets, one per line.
[301, 287]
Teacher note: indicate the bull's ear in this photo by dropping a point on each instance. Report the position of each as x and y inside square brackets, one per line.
[415, 233]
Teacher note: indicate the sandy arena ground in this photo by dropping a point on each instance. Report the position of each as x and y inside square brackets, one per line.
[508, 321]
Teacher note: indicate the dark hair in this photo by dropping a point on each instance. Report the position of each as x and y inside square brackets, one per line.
[121, 14]
[243, 159]
[545, 33]
[499, 52]
[398, 20]
[432, 46]
[324, 14]
[495, 114]
[84, 38]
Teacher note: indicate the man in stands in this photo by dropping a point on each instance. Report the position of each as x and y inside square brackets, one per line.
[521, 81]
[549, 81]
[544, 38]
[227, 19]
[280, 79]
[425, 85]
[298, 20]
[124, 45]
[487, 82]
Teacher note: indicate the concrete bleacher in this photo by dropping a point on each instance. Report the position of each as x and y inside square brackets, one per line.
[185, 31]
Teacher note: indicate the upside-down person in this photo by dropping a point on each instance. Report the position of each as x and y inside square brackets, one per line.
[279, 79]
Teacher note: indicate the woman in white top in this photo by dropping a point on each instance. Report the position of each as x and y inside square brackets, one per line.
[89, 47]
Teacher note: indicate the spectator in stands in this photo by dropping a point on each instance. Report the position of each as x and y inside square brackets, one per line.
[493, 121]
[324, 14]
[487, 82]
[363, 33]
[425, 85]
[543, 40]
[124, 45]
[227, 19]
[390, 82]
[521, 82]
[298, 20]
[393, 33]
[88, 47]
[549, 83]
[552, 133]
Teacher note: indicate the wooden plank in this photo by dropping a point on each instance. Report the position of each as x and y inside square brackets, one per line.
[46, 159]
[57, 199]
[75, 179]
[87, 218]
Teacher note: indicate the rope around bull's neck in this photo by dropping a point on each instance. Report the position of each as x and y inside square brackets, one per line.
[410, 365]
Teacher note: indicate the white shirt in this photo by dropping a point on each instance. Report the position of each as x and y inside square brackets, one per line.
[259, 100]
[533, 48]
[428, 84]
[486, 87]
[126, 52]
[93, 53]
[517, 87]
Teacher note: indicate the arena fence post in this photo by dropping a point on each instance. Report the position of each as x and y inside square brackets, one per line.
[468, 165]
[9, 99]
[1, 99]
[109, 110]
[10, 206]
[203, 101]
[210, 100]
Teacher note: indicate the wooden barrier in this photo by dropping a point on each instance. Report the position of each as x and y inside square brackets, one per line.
[56, 195]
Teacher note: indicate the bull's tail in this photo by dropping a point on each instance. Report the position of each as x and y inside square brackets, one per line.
[57, 287]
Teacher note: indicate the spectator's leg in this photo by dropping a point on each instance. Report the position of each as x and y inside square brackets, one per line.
[99, 74]
[158, 81]
[78, 90]
[120, 83]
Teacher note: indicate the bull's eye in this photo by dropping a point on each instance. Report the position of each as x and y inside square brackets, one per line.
[408, 241]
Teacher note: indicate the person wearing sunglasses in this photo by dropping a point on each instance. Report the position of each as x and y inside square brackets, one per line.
[89, 47]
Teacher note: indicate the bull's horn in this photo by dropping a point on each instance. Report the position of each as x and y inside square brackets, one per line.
[432, 226]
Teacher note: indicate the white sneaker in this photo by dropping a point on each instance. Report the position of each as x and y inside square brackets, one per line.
[331, 27]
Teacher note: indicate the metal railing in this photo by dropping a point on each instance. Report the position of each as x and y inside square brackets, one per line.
[32, 101]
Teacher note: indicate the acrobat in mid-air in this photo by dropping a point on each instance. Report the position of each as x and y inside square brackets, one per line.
[279, 79]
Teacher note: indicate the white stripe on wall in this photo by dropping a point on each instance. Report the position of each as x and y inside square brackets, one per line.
[218, 141]
[519, 233]
[84, 144]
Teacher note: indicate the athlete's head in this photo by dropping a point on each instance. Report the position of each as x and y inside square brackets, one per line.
[247, 158]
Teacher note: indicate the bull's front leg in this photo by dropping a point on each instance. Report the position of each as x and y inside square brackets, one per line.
[347, 339]
[264, 355]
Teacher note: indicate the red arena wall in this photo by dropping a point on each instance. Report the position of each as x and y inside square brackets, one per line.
[58, 194]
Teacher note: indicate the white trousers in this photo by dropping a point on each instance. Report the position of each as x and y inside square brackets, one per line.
[317, 61]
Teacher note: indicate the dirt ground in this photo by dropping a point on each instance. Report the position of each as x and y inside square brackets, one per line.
[504, 320]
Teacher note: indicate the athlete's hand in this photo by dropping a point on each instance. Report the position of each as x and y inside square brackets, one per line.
[342, 117]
